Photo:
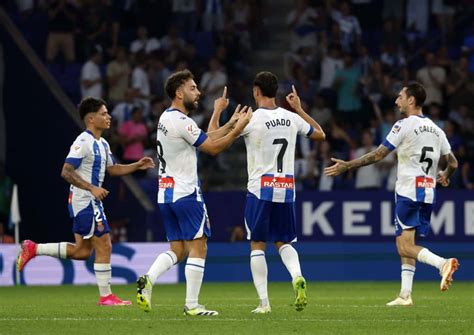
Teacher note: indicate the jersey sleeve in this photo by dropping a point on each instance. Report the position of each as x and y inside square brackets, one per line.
[445, 147]
[395, 136]
[189, 130]
[76, 153]
[304, 128]
[110, 158]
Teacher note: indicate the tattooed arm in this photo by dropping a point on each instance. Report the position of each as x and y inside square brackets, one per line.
[369, 158]
[443, 176]
[72, 177]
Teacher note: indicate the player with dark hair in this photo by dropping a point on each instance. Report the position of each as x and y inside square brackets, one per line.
[84, 168]
[420, 144]
[179, 193]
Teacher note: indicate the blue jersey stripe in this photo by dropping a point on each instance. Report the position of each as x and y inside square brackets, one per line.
[106, 153]
[289, 194]
[420, 194]
[96, 166]
[310, 131]
[389, 145]
[74, 161]
[202, 137]
[169, 195]
[266, 193]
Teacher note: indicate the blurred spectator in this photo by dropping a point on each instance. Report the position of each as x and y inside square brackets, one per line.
[393, 10]
[140, 81]
[91, 77]
[173, 44]
[444, 17]
[61, 28]
[434, 113]
[305, 87]
[391, 34]
[367, 177]
[348, 24]
[468, 46]
[433, 78]
[302, 21]
[94, 25]
[213, 15]
[143, 42]
[158, 73]
[212, 84]
[347, 84]
[122, 112]
[133, 134]
[304, 171]
[460, 85]
[118, 72]
[417, 15]
[320, 112]
[323, 160]
[392, 57]
[185, 16]
[330, 64]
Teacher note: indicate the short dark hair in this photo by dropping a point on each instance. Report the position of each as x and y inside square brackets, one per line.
[90, 105]
[417, 91]
[267, 82]
[175, 81]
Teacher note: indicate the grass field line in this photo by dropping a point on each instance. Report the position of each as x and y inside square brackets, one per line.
[221, 319]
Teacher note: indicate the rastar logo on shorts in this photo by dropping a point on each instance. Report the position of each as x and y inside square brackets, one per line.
[166, 182]
[277, 182]
[425, 182]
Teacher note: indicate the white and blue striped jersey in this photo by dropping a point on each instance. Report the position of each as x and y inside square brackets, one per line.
[270, 138]
[90, 157]
[178, 138]
[420, 143]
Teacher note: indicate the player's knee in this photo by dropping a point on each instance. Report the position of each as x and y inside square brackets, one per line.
[82, 254]
[402, 249]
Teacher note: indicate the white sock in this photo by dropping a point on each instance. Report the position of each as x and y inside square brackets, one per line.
[258, 265]
[162, 263]
[194, 271]
[427, 257]
[408, 272]
[290, 258]
[58, 250]
[103, 274]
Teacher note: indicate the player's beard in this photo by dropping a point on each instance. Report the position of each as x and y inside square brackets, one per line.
[190, 105]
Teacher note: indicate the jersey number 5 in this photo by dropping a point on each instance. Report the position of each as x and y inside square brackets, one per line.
[424, 159]
[159, 150]
[284, 144]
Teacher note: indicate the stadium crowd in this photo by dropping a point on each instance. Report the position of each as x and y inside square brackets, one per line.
[347, 65]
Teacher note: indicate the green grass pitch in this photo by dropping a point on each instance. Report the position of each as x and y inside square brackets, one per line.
[334, 308]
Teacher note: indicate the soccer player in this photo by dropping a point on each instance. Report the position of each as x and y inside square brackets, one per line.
[179, 195]
[270, 138]
[84, 168]
[420, 144]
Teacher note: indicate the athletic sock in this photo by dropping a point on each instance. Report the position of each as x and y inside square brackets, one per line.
[290, 258]
[103, 274]
[427, 257]
[58, 250]
[194, 272]
[408, 272]
[162, 263]
[258, 265]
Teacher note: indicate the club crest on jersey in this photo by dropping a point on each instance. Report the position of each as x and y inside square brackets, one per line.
[396, 129]
[166, 182]
[425, 182]
[277, 182]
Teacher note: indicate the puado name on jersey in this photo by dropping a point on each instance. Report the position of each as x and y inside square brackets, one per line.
[278, 123]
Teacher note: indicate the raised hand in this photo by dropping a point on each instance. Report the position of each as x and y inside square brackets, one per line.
[245, 116]
[293, 99]
[145, 163]
[336, 169]
[221, 103]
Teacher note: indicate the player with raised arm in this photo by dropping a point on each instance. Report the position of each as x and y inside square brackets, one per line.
[179, 195]
[420, 144]
[84, 168]
[270, 139]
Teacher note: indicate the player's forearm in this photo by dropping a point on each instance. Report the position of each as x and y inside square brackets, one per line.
[369, 158]
[452, 165]
[122, 169]
[75, 179]
[214, 122]
[224, 142]
[220, 131]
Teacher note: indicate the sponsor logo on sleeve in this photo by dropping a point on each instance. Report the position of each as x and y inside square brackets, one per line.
[396, 129]
[193, 130]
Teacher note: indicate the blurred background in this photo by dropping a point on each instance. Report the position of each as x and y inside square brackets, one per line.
[347, 59]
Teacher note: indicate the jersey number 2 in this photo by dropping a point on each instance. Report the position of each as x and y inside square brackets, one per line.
[284, 144]
[424, 159]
